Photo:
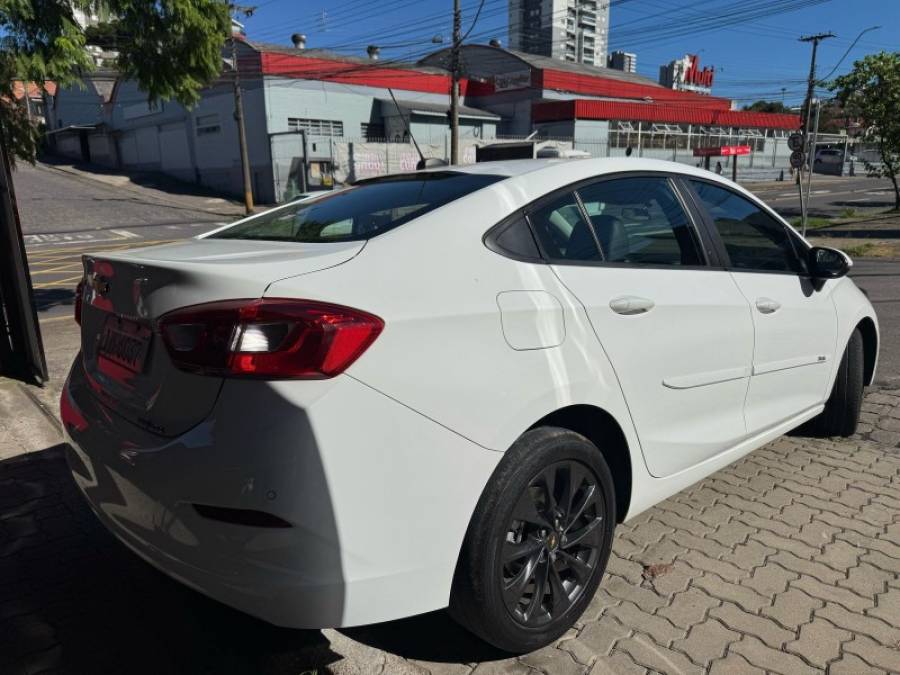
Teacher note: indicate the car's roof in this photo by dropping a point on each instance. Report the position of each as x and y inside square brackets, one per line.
[589, 167]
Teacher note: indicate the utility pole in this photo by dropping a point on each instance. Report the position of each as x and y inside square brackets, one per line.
[812, 162]
[454, 84]
[807, 115]
[242, 133]
[811, 83]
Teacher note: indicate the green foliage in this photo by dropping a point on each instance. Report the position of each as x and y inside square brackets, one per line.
[871, 91]
[767, 106]
[171, 47]
[813, 222]
[174, 47]
[106, 35]
[40, 41]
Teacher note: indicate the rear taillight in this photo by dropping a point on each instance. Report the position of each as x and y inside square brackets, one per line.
[270, 338]
[79, 295]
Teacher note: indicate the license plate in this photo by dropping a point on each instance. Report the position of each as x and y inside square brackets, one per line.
[125, 342]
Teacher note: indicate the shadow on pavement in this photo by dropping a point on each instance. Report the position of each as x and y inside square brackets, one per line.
[429, 637]
[75, 600]
[866, 204]
[48, 298]
[147, 179]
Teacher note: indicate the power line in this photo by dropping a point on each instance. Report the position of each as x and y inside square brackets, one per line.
[852, 45]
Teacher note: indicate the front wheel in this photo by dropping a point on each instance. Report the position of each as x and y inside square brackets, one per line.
[538, 543]
[841, 414]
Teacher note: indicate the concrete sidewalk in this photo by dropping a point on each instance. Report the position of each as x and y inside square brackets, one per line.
[787, 561]
[29, 415]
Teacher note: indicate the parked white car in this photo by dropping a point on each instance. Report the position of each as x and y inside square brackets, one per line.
[446, 388]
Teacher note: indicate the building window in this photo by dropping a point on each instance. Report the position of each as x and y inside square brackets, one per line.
[316, 127]
[371, 132]
[207, 124]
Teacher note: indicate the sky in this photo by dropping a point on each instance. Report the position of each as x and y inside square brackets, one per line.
[753, 46]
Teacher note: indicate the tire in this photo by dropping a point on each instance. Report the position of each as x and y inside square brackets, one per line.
[513, 539]
[841, 414]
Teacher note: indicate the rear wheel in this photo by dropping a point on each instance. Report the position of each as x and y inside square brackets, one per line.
[538, 543]
[841, 414]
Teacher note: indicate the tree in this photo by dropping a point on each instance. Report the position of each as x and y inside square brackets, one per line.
[871, 91]
[767, 106]
[832, 118]
[172, 48]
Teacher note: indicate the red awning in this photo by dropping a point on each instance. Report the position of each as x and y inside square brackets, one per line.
[587, 109]
[370, 74]
[597, 85]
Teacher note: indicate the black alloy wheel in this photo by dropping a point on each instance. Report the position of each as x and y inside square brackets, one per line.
[538, 542]
[552, 544]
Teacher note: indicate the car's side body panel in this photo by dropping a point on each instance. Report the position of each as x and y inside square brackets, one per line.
[794, 345]
[683, 365]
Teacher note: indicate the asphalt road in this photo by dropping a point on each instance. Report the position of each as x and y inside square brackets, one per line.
[829, 195]
[65, 215]
[57, 207]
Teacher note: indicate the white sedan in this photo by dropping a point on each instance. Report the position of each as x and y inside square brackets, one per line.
[446, 388]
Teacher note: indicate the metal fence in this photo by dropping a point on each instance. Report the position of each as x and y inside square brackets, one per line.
[337, 160]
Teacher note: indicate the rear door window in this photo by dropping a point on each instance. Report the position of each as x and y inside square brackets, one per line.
[640, 221]
[362, 211]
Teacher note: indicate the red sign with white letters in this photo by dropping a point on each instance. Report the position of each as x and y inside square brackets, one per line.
[722, 151]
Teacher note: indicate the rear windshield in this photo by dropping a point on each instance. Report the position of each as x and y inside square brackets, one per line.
[362, 211]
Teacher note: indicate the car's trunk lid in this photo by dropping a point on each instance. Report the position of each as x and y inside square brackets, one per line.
[125, 294]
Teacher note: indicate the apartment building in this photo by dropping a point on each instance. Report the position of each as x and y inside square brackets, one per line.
[576, 31]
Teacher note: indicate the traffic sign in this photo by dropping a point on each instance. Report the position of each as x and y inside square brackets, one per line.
[795, 141]
[797, 159]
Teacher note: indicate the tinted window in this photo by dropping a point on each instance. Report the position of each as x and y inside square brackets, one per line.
[515, 239]
[362, 211]
[753, 239]
[562, 230]
[640, 221]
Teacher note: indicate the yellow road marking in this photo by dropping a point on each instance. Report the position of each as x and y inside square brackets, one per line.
[57, 282]
[53, 261]
[131, 243]
[67, 317]
[50, 257]
[58, 269]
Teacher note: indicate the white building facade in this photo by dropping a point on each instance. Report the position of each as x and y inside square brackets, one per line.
[576, 31]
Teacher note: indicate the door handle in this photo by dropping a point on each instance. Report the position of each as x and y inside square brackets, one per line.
[630, 304]
[767, 305]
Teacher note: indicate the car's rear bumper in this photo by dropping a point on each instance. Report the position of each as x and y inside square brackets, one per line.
[374, 498]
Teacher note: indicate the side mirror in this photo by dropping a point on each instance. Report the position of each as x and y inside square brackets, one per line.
[828, 263]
